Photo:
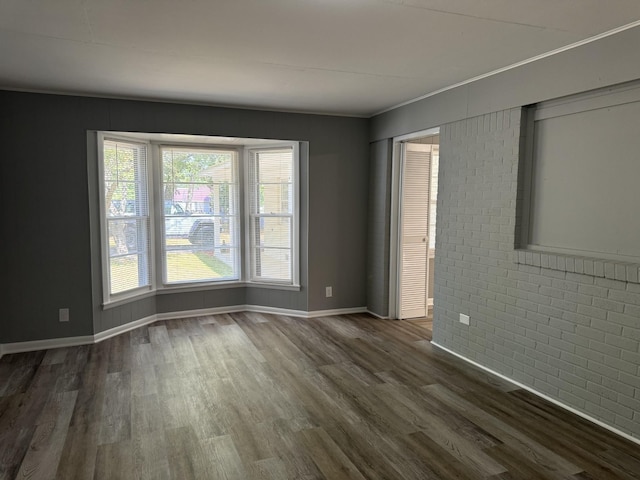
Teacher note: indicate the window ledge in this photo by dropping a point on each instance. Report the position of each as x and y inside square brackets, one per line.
[173, 289]
[274, 286]
[596, 267]
[128, 299]
[167, 290]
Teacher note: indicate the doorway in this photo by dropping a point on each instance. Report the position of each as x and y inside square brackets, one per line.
[413, 222]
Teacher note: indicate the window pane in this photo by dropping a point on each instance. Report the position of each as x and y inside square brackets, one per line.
[274, 198]
[272, 252]
[271, 174]
[208, 253]
[275, 166]
[272, 263]
[124, 236]
[190, 264]
[197, 165]
[272, 209]
[121, 161]
[275, 232]
[128, 252]
[201, 224]
[125, 273]
[126, 210]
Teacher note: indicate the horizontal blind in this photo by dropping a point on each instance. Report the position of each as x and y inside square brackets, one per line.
[200, 218]
[271, 214]
[126, 211]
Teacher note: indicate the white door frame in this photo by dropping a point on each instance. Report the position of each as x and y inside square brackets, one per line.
[396, 204]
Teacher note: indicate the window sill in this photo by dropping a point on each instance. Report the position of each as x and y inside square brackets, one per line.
[274, 286]
[596, 267]
[128, 299]
[169, 290]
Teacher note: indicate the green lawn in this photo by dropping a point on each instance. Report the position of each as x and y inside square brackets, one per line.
[124, 273]
[182, 265]
[187, 265]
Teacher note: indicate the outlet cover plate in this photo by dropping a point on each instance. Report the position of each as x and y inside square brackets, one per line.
[464, 319]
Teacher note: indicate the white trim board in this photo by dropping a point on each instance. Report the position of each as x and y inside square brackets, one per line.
[112, 332]
[22, 347]
[259, 309]
[381, 317]
[542, 395]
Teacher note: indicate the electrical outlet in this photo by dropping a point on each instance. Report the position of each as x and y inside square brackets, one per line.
[464, 319]
[328, 292]
[63, 315]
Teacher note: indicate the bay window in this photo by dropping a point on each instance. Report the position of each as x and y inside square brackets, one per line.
[181, 211]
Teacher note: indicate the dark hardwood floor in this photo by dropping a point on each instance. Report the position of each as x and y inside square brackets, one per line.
[252, 396]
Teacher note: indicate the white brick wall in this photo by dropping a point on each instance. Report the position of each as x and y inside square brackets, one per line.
[572, 336]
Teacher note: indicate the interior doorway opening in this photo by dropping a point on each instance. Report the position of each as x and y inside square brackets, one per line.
[413, 225]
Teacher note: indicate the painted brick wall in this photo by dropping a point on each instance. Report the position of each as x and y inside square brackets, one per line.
[571, 336]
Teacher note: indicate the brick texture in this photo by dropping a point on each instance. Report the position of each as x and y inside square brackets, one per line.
[571, 335]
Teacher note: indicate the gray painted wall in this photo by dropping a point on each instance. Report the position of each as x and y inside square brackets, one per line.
[378, 230]
[49, 246]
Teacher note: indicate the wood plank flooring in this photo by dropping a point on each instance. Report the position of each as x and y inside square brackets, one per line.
[253, 396]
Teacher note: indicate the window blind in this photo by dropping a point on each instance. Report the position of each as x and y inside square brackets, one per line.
[200, 235]
[271, 216]
[126, 204]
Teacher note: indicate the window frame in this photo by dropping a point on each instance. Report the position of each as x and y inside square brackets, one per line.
[160, 231]
[108, 297]
[154, 182]
[295, 217]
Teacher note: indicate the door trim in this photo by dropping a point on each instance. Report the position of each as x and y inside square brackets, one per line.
[394, 221]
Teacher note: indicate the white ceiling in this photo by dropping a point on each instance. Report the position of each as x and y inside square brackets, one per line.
[351, 57]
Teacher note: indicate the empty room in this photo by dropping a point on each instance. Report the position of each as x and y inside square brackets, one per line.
[305, 239]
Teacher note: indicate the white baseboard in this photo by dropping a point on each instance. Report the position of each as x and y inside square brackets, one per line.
[381, 317]
[542, 395]
[201, 312]
[274, 311]
[21, 347]
[336, 311]
[112, 332]
[259, 309]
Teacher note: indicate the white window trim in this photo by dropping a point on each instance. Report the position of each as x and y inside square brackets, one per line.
[295, 245]
[159, 213]
[118, 298]
[156, 262]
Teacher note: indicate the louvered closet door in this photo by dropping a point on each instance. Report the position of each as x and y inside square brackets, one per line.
[414, 229]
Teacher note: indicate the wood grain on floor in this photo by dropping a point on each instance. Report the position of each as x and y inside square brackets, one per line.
[257, 396]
